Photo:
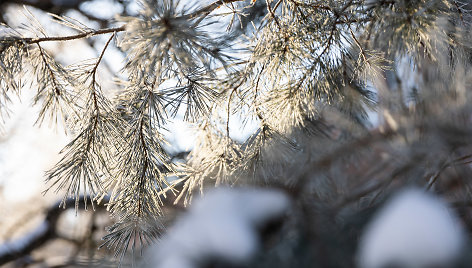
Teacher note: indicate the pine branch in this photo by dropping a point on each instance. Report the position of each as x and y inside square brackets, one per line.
[87, 156]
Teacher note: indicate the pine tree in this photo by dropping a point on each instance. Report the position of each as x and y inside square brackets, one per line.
[348, 100]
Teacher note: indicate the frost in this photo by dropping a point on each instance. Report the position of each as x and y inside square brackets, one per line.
[220, 225]
[414, 229]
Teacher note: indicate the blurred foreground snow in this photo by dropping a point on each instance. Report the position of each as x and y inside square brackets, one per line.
[413, 230]
[221, 225]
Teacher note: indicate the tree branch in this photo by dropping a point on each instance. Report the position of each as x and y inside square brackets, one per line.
[45, 232]
[73, 37]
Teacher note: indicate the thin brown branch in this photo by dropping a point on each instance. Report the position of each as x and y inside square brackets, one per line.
[457, 161]
[205, 11]
[94, 92]
[73, 37]
[142, 178]
[459, 10]
[229, 105]
[94, 71]
[256, 92]
[53, 77]
[271, 12]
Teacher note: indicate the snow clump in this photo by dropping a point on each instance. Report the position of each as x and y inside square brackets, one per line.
[221, 225]
[414, 230]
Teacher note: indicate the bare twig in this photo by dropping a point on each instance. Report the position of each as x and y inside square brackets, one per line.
[73, 37]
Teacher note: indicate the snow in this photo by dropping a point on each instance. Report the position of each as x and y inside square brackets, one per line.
[222, 225]
[103, 9]
[414, 229]
[26, 151]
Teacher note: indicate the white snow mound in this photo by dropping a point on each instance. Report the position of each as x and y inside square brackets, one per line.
[221, 225]
[414, 229]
